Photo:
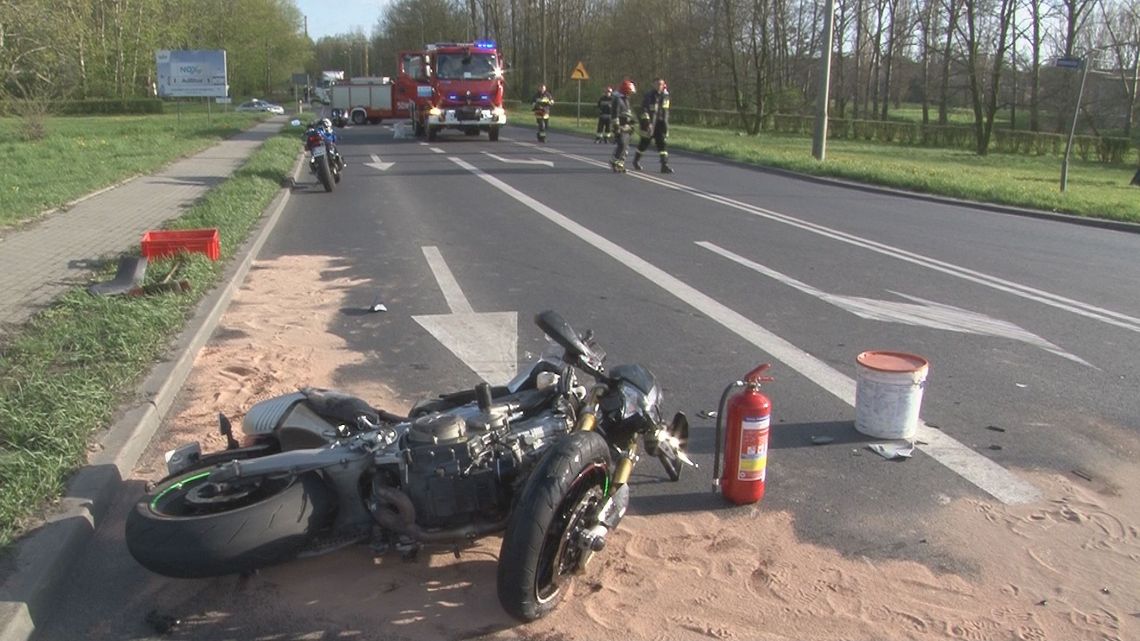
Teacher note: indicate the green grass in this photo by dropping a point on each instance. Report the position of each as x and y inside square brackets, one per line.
[79, 155]
[64, 373]
[1094, 189]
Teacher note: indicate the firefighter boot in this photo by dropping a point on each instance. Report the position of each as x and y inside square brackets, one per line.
[617, 165]
[597, 138]
[665, 168]
[637, 160]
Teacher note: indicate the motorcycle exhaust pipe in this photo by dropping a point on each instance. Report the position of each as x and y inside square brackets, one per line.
[403, 521]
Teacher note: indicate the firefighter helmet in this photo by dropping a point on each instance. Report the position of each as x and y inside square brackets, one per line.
[627, 87]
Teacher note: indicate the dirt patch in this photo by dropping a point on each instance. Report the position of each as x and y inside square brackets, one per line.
[1065, 568]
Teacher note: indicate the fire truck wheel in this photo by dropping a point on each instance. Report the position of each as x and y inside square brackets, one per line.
[432, 133]
[493, 134]
[358, 118]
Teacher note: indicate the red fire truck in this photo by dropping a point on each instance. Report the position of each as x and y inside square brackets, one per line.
[445, 86]
[465, 81]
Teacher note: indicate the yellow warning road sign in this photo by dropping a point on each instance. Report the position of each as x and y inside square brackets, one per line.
[579, 72]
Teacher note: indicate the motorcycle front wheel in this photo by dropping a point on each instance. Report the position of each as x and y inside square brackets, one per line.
[541, 548]
[188, 527]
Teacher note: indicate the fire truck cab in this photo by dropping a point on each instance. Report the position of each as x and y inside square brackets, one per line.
[462, 88]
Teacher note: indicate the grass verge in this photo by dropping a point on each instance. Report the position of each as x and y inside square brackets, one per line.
[79, 155]
[64, 374]
[1094, 190]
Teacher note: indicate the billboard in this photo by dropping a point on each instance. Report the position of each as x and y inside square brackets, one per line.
[192, 72]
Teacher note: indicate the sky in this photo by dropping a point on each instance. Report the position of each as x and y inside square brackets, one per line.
[341, 16]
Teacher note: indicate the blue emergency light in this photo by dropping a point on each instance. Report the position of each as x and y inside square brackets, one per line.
[485, 44]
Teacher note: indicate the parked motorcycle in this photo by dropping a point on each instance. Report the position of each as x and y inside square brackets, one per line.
[324, 159]
[545, 459]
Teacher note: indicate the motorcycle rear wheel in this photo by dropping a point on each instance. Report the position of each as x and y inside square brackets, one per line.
[540, 550]
[189, 528]
[324, 172]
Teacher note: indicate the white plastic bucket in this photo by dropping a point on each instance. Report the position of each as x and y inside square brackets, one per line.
[888, 393]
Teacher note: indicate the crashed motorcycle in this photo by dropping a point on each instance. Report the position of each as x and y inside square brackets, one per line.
[324, 159]
[545, 459]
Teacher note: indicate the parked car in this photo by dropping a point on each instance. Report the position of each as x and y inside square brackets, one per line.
[261, 105]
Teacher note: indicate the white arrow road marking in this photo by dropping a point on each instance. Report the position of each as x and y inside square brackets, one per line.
[992, 478]
[924, 314]
[436, 150]
[379, 164]
[1081, 308]
[532, 161]
[486, 342]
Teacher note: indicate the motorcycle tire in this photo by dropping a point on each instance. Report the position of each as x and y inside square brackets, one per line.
[258, 525]
[324, 172]
[539, 554]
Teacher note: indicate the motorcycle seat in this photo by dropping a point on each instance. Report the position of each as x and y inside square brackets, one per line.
[345, 408]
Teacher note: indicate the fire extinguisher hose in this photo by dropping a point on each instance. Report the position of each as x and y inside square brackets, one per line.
[720, 411]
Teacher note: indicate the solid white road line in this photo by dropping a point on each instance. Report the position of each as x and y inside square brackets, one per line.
[456, 301]
[979, 470]
[1087, 310]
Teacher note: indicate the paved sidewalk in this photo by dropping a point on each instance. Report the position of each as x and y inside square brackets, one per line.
[109, 222]
[40, 263]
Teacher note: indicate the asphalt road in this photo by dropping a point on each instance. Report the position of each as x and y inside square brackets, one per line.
[1030, 325]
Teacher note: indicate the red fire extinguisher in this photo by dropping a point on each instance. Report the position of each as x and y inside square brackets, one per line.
[746, 440]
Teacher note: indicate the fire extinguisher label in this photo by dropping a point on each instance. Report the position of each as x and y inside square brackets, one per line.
[753, 448]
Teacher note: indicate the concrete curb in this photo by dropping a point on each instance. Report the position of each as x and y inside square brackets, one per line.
[42, 559]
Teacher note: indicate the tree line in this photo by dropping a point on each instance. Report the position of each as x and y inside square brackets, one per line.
[995, 58]
[751, 58]
[105, 49]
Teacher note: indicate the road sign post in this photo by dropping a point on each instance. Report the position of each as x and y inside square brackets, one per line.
[579, 74]
[1072, 63]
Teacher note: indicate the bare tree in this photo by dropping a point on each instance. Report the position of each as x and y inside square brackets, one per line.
[1122, 25]
[976, 31]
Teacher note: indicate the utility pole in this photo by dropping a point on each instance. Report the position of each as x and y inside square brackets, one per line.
[819, 139]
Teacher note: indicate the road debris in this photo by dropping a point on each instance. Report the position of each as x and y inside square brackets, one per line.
[893, 450]
[1081, 473]
[822, 440]
[995, 428]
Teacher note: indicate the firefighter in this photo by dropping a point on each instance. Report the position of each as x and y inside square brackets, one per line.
[605, 110]
[541, 105]
[654, 124]
[622, 123]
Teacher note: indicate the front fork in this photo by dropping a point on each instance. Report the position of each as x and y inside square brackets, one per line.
[593, 539]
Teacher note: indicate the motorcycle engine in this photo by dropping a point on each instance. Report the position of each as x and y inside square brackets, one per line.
[461, 465]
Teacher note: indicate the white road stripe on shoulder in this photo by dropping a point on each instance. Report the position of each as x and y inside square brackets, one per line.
[990, 477]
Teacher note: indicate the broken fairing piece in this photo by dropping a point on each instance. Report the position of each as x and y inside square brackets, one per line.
[378, 307]
[893, 449]
[132, 270]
